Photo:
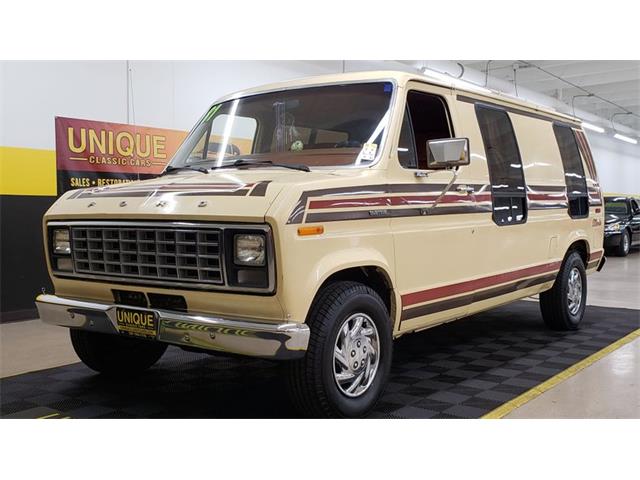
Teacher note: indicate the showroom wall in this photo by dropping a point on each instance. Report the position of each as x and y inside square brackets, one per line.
[160, 94]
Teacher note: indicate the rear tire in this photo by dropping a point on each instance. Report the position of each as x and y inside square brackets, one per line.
[338, 376]
[622, 250]
[564, 304]
[115, 355]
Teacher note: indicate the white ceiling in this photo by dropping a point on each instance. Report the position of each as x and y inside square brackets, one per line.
[610, 82]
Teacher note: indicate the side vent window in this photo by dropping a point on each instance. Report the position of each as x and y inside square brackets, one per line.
[577, 193]
[508, 189]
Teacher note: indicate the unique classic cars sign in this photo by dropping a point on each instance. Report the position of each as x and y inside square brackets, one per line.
[92, 153]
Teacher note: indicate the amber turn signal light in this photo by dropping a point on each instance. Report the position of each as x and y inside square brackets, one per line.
[305, 231]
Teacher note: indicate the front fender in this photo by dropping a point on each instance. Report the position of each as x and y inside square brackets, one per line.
[300, 289]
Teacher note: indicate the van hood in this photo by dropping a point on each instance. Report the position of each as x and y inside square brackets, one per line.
[226, 195]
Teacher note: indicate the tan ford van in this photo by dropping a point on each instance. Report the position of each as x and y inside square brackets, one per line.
[314, 221]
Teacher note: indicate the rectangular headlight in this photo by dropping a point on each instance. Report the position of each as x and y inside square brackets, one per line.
[249, 249]
[61, 242]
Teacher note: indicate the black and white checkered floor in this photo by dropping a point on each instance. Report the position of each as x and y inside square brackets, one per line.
[460, 370]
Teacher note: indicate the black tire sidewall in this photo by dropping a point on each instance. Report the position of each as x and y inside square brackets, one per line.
[573, 261]
[372, 306]
[624, 251]
[115, 354]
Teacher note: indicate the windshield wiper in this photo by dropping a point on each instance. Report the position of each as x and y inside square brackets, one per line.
[269, 163]
[177, 169]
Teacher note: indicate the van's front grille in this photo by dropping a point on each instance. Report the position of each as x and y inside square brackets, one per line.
[159, 254]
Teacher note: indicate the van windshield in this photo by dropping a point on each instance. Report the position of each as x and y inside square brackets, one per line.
[328, 126]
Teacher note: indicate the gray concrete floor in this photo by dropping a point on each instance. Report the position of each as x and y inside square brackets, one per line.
[609, 388]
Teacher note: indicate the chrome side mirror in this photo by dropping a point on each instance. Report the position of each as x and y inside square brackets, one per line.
[447, 153]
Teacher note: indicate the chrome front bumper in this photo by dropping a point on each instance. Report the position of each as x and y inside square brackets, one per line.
[278, 341]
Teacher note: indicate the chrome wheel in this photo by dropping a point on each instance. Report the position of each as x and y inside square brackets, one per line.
[625, 242]
[356, 355]
[574, 291]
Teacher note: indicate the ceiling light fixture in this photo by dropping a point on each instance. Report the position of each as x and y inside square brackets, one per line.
[626, 139]
[594, 128]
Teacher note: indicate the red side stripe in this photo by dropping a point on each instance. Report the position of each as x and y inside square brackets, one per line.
[477, 284]
[595, 255]
[395, 201]
[546, 196]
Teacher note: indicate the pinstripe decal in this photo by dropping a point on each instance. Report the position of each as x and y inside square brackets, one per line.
[260, 189]
[481, 288]
[150, 190]
[476, 284]
[479, 296]
[379, 198]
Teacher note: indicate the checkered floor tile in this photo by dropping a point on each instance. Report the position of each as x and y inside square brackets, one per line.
[460, 370]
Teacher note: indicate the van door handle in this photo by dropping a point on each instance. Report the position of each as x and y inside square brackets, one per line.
[465, 189]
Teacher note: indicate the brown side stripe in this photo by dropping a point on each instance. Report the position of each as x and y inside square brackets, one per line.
[404, 200]
[395, 213]
[218, 189]
[260, 189]
[464, 300]
[151, 193]
[596, 255]
[553, 195]
[468, 286]
[297, 214]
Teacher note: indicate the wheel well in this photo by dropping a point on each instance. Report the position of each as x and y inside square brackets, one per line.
[373, 277]
[582, 248]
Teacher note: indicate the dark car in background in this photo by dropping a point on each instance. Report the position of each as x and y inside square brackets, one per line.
[622, 224]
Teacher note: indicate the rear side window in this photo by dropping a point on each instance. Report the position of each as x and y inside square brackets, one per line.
[508, 189]
[573, 171]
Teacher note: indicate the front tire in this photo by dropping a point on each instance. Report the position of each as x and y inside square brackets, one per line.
[115, 355]
[564, 304]
[348, 358]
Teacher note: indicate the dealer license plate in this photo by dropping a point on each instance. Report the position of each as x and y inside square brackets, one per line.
[140, 323]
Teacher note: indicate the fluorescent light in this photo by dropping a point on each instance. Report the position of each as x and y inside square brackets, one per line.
[595, 128]
[626, 139]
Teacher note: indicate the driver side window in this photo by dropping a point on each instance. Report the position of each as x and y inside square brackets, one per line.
[425, 118]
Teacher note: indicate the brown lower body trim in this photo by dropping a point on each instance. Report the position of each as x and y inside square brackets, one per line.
[479, 296]
[593, 264]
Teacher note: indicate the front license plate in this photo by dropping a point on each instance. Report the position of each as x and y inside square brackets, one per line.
[140, 323]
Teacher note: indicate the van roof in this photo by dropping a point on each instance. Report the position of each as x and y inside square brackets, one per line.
[401, 78]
